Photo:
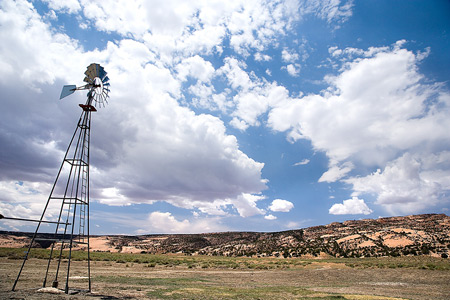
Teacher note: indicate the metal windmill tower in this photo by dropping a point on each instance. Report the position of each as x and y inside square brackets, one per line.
[71, 188]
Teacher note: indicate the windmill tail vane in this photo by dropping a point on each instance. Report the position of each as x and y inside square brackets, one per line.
[71, 189]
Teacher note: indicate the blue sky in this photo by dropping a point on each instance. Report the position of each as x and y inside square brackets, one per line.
[230, 115]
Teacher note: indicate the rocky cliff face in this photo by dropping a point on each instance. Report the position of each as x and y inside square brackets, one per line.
[411, 235]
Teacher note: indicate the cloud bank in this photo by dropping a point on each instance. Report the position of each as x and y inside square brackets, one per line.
[181, 79]
[378, 112]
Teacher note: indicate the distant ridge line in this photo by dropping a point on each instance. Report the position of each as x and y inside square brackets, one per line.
[425, 234]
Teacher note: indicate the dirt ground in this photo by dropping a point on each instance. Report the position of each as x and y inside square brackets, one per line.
[319, 280]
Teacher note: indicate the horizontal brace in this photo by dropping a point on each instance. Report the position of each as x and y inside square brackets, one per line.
[77, 200]
[59, 240]
[31, 220]
[76, 162]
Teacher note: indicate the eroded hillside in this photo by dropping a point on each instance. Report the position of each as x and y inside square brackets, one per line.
[427, 234]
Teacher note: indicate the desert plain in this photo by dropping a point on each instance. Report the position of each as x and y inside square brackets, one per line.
[144, 276]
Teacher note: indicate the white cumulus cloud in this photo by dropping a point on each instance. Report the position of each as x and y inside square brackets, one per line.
[71, 6]
[281, 205]
[246, 205]
[407, 184]
[336, 172]
[165, 222]
[293, 69]
[354, 206]
[289, 56]
[270, 217]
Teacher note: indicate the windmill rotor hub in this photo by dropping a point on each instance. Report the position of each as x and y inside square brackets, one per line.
[98, 85]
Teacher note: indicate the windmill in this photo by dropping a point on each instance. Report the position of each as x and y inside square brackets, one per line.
[71, 188]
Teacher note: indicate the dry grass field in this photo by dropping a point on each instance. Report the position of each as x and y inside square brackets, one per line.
[142, 276]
